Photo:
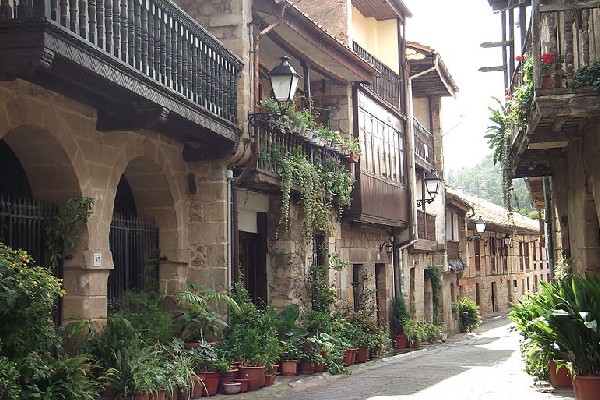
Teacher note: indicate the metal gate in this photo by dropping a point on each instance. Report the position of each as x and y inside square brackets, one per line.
[23, 224]
[133, 242]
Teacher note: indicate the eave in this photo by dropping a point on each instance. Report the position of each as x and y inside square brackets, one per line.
[382, 10]
[436, 82]
[301, 37]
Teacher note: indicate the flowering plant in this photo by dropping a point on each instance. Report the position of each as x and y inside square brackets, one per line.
[551, 62]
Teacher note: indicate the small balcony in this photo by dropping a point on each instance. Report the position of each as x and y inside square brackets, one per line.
[387, 85]
[275, 141]
[423, 145]
[426, 227]
[143, 64]
[559, 42]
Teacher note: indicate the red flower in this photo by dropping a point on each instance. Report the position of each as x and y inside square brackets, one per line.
[519, 58]
[547, 58]
[54, 372]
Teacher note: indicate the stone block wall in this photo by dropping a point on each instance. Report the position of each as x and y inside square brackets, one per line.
[63, 155]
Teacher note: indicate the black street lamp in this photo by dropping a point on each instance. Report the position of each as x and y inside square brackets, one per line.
[432, 185]
[479, 228]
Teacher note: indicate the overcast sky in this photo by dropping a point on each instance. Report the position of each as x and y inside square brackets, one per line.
[456, 31]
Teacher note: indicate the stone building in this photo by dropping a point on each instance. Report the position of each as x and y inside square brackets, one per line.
[555, 149]
[505, 261]
[136, 110]
[153, 112]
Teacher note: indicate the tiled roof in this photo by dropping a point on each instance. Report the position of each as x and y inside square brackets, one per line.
[495, 215]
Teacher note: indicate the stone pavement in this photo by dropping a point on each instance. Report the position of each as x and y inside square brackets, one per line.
[484, 365]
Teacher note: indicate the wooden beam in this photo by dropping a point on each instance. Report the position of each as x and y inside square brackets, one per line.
[492, 69]
[487, 45]
[568, 7]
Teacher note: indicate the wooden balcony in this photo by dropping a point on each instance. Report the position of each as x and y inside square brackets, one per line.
[273, 141]
[423, 145]
[143, 64]
[426, 226]
[387, 86]
[567, 32]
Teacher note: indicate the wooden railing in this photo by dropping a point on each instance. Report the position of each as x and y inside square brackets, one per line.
[564, 32]
[426, 226]
[423, 142]
[387, 86]
[274, 141]
[154, 37]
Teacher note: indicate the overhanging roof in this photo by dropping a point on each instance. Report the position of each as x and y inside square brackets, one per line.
[437, 82]
[303, 38]
[382, 10]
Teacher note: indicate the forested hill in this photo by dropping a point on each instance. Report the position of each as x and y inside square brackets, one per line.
[485, 181]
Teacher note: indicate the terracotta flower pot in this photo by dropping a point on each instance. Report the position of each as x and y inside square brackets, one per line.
[319, 367]
[362, 355]
[269, 379]
[586, 387]
[288, 367]
[306, 368]
[211, 383]
[349, 356]
[244, 384]
[256, 375]
[560, 378]
[400, 341]
[228, 376]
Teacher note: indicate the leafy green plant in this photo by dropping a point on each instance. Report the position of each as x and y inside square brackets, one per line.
[499, 136]
[61, 233]
[9, 379]
[206, 358]
[195, 319]
[414, 329]
[467, 313]
[251, 336]
[435, 277]
[399, 314]
[587, 75]
[27, 295]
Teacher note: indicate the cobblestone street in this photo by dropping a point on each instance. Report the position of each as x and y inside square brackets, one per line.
[484, 365]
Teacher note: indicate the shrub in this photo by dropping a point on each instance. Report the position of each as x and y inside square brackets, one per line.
[467, 313]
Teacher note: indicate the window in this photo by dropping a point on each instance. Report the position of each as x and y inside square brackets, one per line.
[358, 285]
[382, 141]
[477, 251]
[452, 231]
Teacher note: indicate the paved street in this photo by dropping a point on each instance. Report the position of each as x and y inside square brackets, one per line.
[481, 365]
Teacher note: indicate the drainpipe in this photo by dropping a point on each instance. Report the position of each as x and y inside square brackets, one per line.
[549, 231]
[397, 260]
[255, 146]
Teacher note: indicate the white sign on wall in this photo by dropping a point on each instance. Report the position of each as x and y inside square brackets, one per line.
[97, 259]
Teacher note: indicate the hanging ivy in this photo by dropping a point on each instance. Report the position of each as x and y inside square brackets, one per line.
[435, 276]
[319, 185]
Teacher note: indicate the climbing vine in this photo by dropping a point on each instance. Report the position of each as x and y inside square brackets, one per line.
[318, 183]
[435, 276]
[60, 233]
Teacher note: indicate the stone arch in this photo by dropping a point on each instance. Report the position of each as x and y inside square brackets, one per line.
[156, 186]
[46, 163]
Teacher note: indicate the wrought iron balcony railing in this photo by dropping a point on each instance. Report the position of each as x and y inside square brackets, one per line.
[387, 86]
[423, 142]
[119, 40]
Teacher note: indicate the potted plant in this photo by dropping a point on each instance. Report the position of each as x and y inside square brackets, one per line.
[252, 337]
[136, 370]
[196, 319]
[208, 362]
[575, 323]
[399, 315]
[415, 331]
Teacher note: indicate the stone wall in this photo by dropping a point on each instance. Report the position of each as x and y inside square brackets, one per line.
[63, 155]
